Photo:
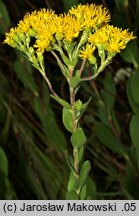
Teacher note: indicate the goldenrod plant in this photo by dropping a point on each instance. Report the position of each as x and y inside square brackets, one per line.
[80, 36]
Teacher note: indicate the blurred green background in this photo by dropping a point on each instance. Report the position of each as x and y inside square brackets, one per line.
[32, 138]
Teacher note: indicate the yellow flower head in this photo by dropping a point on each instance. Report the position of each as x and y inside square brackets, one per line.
[87, 52]
[10, 37]
[36, 20]
[91, 16]
[72, 27]
[65, 26]
[43, 41]
[112, 38]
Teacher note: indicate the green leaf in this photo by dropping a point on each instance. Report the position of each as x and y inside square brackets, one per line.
[116, 123]
[133, 104]
[84, 107]
[134, 133]
[78, 138]
[6, 190]
[71, 183]
[6, 128]
[67, 119]
[22, 69]
[102, 112]
[71, 195]
[105, 136]
[70, 161]
[83, 192]
[3, 162]
[65, 59]
[29, 175]
[45, 165]
[91, 187]
[121, 6]
[55, 137]
[131, 53]
[107, 100]
[81, 151]
[61, 101]
[86, 167]
[75, 81]
[137, 14]
[129, 183]
[109, 93]
[4, 18]
[135, 86]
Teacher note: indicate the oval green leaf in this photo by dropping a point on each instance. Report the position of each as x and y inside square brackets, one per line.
[71, 195]
[86, 167]
[67, 119]
[4, 18]
[78, 138]
[71, 183]
[83, 192]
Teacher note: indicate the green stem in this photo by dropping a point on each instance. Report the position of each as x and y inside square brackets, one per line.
[42, 71]
[61, 65]
[100, 69]
[82, 66]
[81, 42]
[75, 125]
[90, 77]
[72, 101]
[76, 162]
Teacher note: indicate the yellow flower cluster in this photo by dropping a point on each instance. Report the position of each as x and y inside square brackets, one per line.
[111, 39]
[47, 27]
[35, 24]
[50, 30]
[10, 37]
[91, 16]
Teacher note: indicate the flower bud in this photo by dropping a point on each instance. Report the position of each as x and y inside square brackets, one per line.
[49, 48]
[32, 32]
[16, 38]
[27, 39]
[11, 42]
[22, 48]
[59, 36]
[31, 51]
[92, 60]
[78, 105]
[84, 36]
[40, 56]
[34, 60]
[21, 36]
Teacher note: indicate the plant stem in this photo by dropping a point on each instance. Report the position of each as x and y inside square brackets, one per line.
[42, 71]
[90, 77]
[58, 61]
[82, 66]
[72, 101]
[75, 125]
[100, 69]
[50, 86]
